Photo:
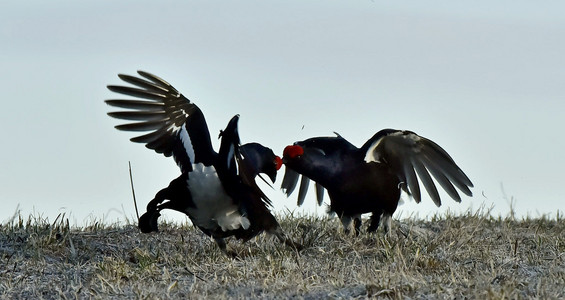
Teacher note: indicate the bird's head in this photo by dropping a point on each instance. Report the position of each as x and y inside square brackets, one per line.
[292, 152]
[270, 168]
[301, 155]
[262, 160]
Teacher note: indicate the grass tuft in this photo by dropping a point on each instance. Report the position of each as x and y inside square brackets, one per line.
[473, 255]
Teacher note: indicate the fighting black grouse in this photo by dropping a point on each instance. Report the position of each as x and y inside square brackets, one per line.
[217, 190]
[370, 179]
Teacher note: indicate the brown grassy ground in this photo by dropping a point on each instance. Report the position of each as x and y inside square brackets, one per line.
[469, 256]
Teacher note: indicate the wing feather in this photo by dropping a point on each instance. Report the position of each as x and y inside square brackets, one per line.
[139, 93]
[141, 126]
[319, 193]
[152, 136]
[426, 180]
[451, 171]
[304, 184]
[290, 179]
[443, 181]
[136, 104]
[411, 156]
[139, 115]
[167, 115]
[163, 88]
[411, 180]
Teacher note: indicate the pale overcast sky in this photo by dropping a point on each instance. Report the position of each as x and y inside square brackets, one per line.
[484, 79]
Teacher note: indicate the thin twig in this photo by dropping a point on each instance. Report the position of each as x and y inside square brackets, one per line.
[192, 273]
[133, 191]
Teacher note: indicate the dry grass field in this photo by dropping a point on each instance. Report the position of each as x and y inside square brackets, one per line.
[448, 257]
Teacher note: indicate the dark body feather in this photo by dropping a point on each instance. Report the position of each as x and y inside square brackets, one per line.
[217, 190]
[370, 179]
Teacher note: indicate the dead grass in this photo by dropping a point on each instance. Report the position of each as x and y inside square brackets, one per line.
[468, 256]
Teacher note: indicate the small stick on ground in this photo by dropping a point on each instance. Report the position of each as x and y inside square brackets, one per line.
[133, 191]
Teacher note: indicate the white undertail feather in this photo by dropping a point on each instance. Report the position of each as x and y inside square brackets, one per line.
[213, 206]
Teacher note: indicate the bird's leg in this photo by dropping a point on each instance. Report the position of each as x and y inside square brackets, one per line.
[176, 192]
[159, 198]
[375, 220]
[346, 222]
[357, 224]
[387, 222]
[148, 221]
[281, 236]
[223, 247]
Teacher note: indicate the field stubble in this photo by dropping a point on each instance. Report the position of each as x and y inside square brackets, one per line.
[472, 255]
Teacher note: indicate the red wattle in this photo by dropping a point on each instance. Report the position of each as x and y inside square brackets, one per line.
[293, 151]
[278, 162]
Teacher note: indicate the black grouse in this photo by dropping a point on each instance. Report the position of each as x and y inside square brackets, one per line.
[217, 190]
[369, 179]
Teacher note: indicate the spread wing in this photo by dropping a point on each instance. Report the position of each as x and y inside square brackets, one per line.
[176, 126]
[411, 156]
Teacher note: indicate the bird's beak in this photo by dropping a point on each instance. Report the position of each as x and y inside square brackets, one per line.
[273, 177]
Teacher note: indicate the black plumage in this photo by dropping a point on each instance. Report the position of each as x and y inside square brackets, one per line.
[217, 190]
[370, 179]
